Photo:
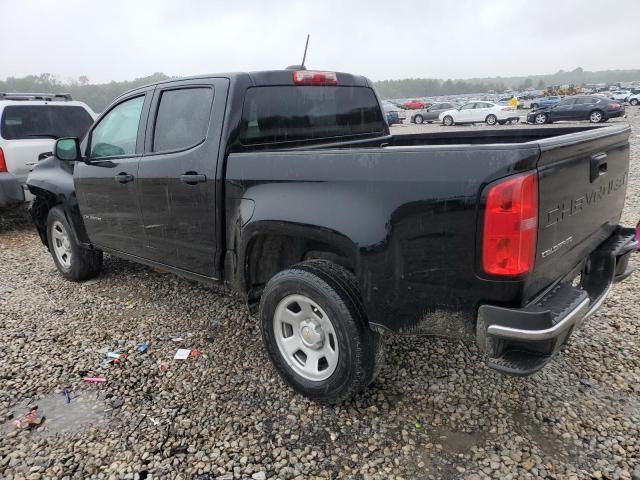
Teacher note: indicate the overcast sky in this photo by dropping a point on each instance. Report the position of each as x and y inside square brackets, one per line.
[118, 40]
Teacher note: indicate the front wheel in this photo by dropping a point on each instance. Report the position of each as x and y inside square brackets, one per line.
[315, 331]
[541, 118]
[596, 116]
[634, 102]
[418, 119]
[72, 261]
[491, 120]
[447, 121]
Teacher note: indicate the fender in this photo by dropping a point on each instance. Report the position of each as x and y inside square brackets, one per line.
[52, 181]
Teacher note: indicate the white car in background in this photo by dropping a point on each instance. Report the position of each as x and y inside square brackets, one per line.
[30, 123]
[619, 95]
[634, 99]
[477, 111]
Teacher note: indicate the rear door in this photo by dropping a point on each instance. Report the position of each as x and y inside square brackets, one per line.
[480, 111]
[582, 183]
[177, 173]
[107, 185]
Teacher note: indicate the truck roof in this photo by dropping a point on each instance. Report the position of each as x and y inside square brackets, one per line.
[263, 79]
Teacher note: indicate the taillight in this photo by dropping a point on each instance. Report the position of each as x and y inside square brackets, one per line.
[306, 77]
[511, 226]
[613, 105]
[506, 109]
[3, 163]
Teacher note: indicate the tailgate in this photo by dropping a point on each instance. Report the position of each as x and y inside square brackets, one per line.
[582, 181]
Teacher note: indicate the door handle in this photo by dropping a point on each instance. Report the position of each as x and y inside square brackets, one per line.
[192, 178]
[123, 177]
[598, 166]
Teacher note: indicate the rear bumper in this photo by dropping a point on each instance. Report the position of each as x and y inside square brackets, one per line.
[520, 341]
[11, 190]
[617, 114]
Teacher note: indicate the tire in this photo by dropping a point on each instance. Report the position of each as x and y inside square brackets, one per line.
[634, 102]
[534, 106]
[541, 118]
[72, 261]
[447, 121]
[491, 120]
[418, 119]
[596, 116]
[336, 331]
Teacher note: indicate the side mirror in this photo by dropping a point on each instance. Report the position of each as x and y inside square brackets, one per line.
[67, 149]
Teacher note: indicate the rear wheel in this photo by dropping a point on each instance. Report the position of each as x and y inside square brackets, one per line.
[541, 118]
[596, 116]
[418, 119]
[315, 331]
[491, 119]
[634, 101]
[72, 261]
[448, 120]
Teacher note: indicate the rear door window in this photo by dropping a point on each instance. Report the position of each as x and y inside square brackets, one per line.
[277, 114]
[21, 122]
[183, 118]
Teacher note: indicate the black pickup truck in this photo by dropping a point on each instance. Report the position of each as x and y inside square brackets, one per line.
[288, 187]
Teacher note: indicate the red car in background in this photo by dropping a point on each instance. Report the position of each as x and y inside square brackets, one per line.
[415, 104]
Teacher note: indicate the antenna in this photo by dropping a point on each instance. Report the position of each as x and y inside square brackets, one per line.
[304, 57]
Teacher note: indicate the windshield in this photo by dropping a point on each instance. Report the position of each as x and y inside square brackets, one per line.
[21, 122]
[279, 114]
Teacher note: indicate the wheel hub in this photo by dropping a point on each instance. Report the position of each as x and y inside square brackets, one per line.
[311, 334]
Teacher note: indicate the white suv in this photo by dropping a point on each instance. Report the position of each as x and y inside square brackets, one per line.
[29, 125]
[634, 99]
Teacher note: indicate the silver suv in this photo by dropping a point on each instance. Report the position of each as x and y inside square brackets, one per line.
[29, 125]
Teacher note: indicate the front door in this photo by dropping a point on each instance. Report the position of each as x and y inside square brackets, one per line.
[563, 110]
[178, 174]
[106, 185]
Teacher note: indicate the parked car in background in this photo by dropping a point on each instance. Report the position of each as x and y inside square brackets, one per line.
[581, 107]
[415, 104]
[634, 99]
[391, 112]
[431, 113]
[479, 112]
[620, 95]
[543, 102]
[29, 125]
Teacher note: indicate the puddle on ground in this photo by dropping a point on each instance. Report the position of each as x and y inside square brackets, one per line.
[86, 409]
[457, 442]
[550, 443]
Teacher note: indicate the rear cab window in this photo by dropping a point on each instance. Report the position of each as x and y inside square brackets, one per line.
[283, 114]
[22, 122]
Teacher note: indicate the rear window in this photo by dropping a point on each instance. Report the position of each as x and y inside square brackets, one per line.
[21, 122]
[299, 113]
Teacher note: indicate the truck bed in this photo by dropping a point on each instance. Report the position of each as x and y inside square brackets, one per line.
[488, 136]
[407, 211]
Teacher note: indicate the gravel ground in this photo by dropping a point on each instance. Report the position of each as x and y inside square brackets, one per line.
[435, 411]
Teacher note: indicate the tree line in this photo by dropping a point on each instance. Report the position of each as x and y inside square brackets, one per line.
[99, 95]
